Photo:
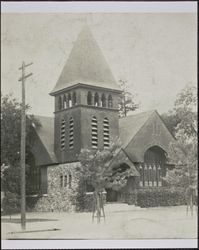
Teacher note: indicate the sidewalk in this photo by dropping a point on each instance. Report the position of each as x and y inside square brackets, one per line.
[122, 222]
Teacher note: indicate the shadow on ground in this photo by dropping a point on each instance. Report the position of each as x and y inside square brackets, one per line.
[14, 220]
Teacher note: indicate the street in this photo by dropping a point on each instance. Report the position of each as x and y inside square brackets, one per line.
[121, 222]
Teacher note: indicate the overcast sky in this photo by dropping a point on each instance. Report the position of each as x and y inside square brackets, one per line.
[155, 53]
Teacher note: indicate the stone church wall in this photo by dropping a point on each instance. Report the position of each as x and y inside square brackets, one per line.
[59, 197]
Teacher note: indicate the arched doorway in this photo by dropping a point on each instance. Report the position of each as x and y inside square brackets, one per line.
[154, 167]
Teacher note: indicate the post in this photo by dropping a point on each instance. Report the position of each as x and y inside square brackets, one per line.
[23, 148]
[23, 152]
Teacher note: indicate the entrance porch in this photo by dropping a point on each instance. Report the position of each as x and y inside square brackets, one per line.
[126, 194]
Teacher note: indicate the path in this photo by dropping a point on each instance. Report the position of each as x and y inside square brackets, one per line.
[122, 222]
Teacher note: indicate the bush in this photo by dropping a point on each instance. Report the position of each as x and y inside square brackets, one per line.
[153, 197]
[131, 198]
[86, 204]
[11, 203]
[31, 202]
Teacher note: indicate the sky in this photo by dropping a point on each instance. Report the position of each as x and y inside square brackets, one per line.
[156, 53]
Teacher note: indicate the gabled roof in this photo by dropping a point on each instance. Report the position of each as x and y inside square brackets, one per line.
[134, 131]
[130, 125]
[46, 134]
[142, 131]
[121, 158]
[87, 65]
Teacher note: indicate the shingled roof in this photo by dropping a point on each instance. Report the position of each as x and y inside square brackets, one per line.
[130, 125]
[129, 129]
[46, 135]
[86, 65]
[142, 131]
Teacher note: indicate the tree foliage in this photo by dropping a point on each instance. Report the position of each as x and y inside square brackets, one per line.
[11, 139]
[184, 151]
[183, 116]
[171, 120]
[184, 155]
[127, 101]
[103, 169]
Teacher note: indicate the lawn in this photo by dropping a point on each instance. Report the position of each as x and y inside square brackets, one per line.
[121, 222]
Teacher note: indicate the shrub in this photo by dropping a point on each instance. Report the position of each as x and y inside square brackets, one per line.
[131, 198]
[31, 202]
[153, 197]
[11, 203]
[87, 202]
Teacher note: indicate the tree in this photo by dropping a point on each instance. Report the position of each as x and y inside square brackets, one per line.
[103, 169]
[183, 154]
[184, 151]
[10, 142]
[183, 115]
[171, 120]
[126, 102]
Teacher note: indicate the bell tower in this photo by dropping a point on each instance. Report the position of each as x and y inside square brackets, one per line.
[86, 101]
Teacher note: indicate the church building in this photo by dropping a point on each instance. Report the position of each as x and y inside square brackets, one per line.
[86, 117]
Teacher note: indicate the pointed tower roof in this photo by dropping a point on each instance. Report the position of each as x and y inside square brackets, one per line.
[86, 65]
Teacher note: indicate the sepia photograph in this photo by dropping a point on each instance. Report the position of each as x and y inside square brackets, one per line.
[98, 123]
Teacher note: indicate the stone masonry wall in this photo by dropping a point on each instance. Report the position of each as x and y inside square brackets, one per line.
[59, 198]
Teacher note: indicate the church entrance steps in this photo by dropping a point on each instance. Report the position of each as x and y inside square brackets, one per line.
[119, 207]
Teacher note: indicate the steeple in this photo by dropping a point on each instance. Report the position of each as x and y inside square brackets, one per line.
[86, 101]
[86, 65]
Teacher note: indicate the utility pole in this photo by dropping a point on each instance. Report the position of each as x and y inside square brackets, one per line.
[23, 146]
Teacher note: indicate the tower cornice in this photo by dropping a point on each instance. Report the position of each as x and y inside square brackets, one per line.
[54, 93]
[87, 106]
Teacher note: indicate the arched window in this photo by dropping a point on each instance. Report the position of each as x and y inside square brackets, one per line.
[74, 100]
[63, 124]
[103, 100]
[94, 132]
[64, 102]
[96, 100]
[154, 167]
[106, 133]
[65, 180]
[61, 181]
[60, 102]
[70, 100]
[89, 98]
[110, 101]
[71, 133]
[69, 180]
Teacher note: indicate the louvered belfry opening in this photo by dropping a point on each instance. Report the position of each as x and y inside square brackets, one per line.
[89, 98]
[106, 133]
[69, 100]
[96, 100]
[94, 132]
[65, 102]
[71, 133]
[60, 103]
[110, 101]
[63, 126]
